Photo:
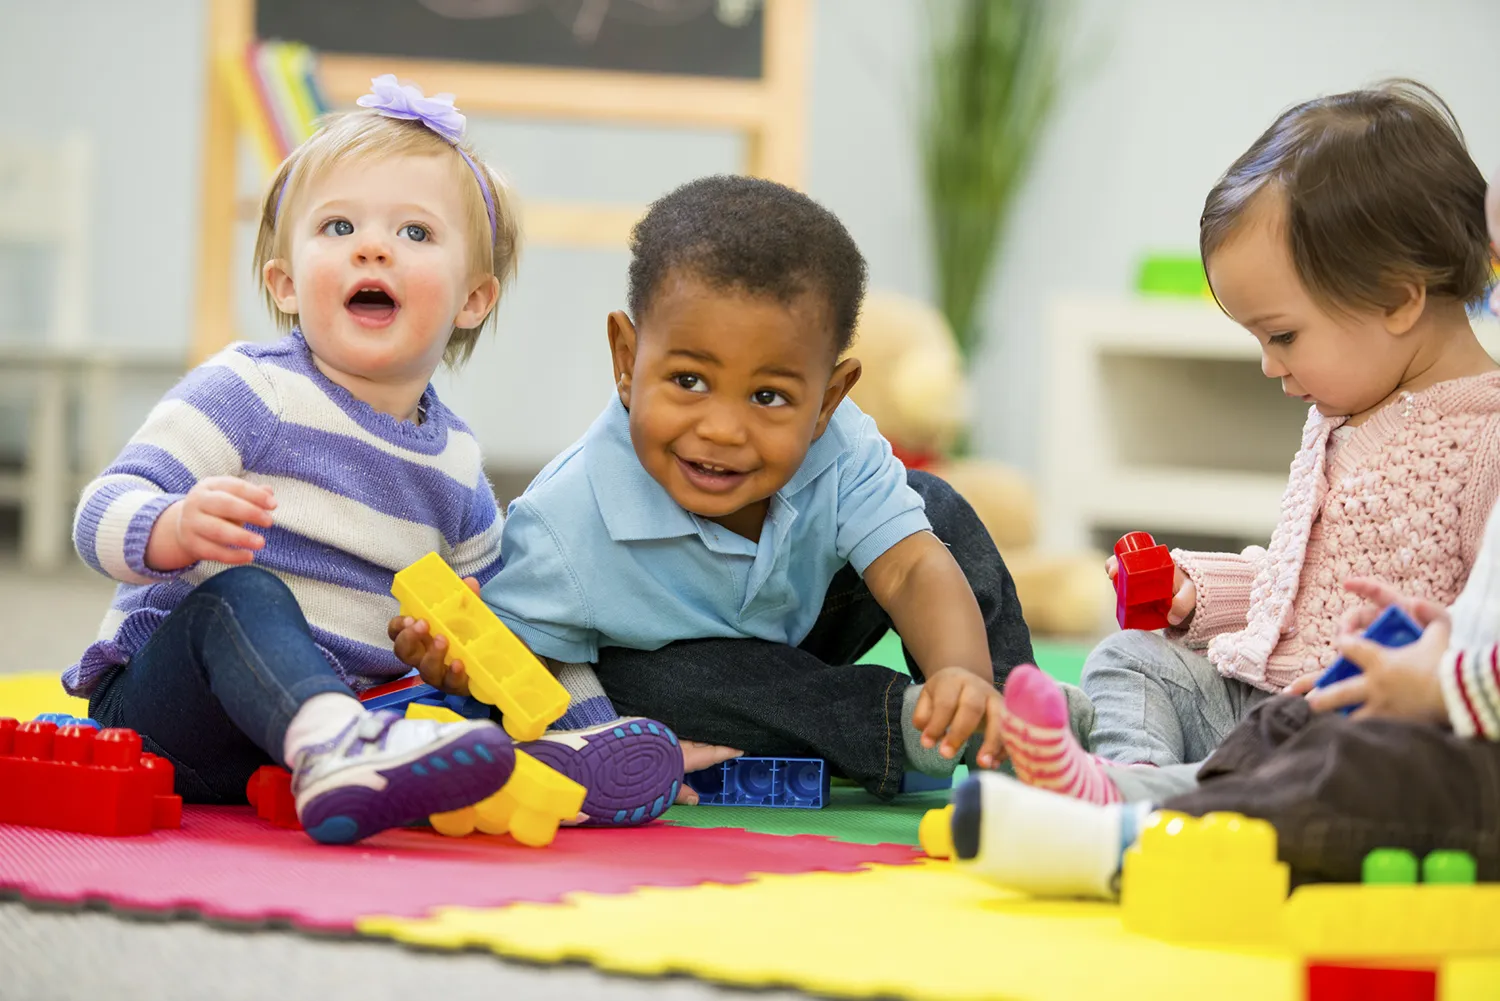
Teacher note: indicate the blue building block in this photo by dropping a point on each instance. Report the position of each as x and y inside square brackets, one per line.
[397, 694]
[63, 719]
[1391, 628]
[918, 782]
[402, 692]
[800, 783]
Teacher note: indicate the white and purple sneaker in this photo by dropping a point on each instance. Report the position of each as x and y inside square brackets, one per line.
[631, 767]
[384, 771]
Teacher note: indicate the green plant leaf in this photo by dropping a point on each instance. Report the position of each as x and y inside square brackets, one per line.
[993, 77]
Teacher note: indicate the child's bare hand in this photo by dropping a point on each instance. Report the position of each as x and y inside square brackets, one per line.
[1303, 684]
[697, 756]
[1395, 682]
[1184, 592]
[209, 524]
[415, 646]
[954, 703]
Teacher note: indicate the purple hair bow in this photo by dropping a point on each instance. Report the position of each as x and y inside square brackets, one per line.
[395, 100]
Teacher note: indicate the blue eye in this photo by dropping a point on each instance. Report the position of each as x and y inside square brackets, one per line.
[415, 233]
[769, 398]
[337, 227]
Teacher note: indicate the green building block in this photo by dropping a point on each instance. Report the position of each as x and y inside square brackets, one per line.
[1161, 274]
[1389, 866]
[1448, 867]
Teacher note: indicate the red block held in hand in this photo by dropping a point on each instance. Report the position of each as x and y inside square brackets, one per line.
[1143, 582]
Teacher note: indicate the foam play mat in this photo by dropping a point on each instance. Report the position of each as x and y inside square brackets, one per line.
[227, 864]
[834, 901]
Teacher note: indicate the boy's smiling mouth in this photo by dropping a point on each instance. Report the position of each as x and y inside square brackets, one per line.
[710, 477]
[372, 304]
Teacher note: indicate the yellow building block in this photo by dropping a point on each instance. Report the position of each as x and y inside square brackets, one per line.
[502, 671]
[935, 832]
[416, 710]
[1469, 979]
[1213, 879]
[1363, 920]
[529, 807]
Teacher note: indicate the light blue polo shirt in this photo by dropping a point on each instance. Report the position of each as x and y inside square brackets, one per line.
[596, 553]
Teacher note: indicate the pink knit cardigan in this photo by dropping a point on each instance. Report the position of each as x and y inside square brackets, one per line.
[1405, 500]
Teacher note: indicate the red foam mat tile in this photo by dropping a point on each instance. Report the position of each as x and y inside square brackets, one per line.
[226, 864]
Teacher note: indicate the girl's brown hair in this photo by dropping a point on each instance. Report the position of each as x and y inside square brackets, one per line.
[1380, 193]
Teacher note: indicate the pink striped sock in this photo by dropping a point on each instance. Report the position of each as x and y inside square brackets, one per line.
[1042, 746]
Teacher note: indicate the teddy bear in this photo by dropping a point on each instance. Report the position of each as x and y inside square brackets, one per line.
[914, 387]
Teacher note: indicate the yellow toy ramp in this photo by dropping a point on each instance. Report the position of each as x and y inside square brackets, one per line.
[927, 932]
[27, 696]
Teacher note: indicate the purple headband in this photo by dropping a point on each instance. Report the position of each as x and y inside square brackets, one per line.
[393, 100]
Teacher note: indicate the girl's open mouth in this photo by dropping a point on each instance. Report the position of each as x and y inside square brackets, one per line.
[372, 306]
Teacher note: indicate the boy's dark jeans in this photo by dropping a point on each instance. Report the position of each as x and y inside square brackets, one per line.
[1336, 789]
[215, 686]
[812, 700]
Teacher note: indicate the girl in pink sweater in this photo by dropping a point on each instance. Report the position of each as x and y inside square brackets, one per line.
[1350, 241]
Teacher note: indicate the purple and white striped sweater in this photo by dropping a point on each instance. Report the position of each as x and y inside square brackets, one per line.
[359, 495]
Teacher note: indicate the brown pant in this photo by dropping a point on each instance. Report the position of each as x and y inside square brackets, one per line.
[1336, 788]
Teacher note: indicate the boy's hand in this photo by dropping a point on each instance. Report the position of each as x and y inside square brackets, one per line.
[953, 704]
[1184, 592]
[1396, 682]
[209, 524]
[415, 646]
[697, 756]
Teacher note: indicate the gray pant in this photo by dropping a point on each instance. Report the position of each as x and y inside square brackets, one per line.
[1157, 702]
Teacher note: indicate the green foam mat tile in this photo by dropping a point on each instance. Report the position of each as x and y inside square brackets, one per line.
[853, 816]
[1061, 659]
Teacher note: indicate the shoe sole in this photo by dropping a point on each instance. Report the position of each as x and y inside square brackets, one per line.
[632, 769]
[449, 776]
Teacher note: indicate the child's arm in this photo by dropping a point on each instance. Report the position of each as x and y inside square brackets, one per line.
[173, 496]
[1220, 584]
[933, 609]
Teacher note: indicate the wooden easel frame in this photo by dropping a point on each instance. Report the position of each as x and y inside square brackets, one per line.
[769, 112]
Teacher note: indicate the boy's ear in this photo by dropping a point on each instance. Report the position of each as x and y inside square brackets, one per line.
[844, 376]
[278, 281]
[479, 304]
[1400, 318]
[622, 352]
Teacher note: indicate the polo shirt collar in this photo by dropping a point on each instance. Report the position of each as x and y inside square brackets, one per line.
[634, 506]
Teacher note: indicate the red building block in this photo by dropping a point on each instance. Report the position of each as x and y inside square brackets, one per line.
[1143, 582]
[270, 792]
[76, 778]
[1331, 982]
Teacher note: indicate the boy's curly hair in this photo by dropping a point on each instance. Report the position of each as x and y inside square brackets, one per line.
[751, 235]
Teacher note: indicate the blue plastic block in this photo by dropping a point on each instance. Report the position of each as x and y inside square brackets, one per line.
[1391, 628]
[467, 706]
[399, 699]
[918, 782]
[799, 783]
[63, 719]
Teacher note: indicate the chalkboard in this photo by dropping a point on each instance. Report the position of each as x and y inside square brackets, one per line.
[716, 38]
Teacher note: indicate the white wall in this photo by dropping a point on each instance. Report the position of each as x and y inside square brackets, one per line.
[1165, 94]
[1179, 88]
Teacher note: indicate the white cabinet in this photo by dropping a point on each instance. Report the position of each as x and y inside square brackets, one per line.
[1157, 418]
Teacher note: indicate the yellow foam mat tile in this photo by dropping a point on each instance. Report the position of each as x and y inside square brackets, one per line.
[923, 931]
[27, 696]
